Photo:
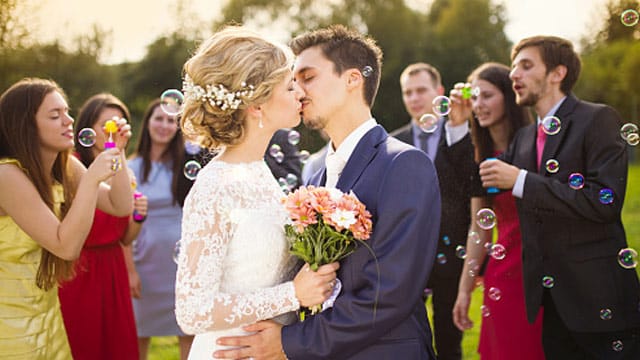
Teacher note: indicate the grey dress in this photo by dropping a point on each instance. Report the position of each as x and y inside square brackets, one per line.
[153, 253]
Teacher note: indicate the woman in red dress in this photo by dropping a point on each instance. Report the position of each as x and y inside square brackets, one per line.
[96, 303]
[505, 331]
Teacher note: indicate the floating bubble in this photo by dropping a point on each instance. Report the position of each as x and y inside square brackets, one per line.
[171, 102]
[274, 150]
[605, 196]
[484, 309]
[446, 241]
[495, 294]
[441, 258]
[303, 156]
[628, 258]
[617, 345]
[474, 237]
[486, 218]
[474, 267]
[191, 148]
[283, 184]
[498, 251]
[633, 139]
[292, 180]
[191, 169]
[552, 166]
[476, 91]
[367, 71]
[279, 157]
[629, 17]
[551, 125]
[628, 129]
[176, 252]
[606, 314]
[576, 181]
[428, 123]
[548, 281]
[293, 137]
[87, 137]
[441, 105]
[461, 252]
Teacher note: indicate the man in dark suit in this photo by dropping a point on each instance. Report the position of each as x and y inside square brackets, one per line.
[570, 213]
[449, 147]
[379, 314]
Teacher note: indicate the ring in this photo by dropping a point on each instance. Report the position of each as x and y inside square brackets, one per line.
[115, 164]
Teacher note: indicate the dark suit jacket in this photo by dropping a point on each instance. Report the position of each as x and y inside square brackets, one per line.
[290, 164]
[456, 171]
[399, 186]
[568, 234]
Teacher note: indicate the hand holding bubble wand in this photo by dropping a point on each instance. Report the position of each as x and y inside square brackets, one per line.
[139, 204]
[110, 127]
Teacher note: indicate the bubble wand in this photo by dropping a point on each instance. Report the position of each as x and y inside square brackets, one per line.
[111, 127]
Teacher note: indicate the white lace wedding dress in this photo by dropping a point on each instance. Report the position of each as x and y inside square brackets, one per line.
[234, 263]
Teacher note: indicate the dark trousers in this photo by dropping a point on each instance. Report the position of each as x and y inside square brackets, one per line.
[560, 343]
[447, 337]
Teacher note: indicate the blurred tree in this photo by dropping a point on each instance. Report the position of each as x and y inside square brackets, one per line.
[13, 32]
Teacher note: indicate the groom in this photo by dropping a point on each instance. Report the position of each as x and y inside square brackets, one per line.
[379, 314]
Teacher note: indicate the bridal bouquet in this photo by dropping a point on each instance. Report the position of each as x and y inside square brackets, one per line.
[326, 225]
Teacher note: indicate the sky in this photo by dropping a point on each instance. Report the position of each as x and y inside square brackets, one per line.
[136, 23]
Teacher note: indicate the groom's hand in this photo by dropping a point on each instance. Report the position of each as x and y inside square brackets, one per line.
[265, 344]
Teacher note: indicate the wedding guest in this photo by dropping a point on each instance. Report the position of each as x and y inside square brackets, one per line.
[448, 145]
[47, 205]
[379, 313]
[95, 304]
[568, 174]
[158, 165]
[496, 118]
[235, 267]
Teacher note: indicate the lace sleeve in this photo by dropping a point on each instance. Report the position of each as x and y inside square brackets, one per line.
[206, 231]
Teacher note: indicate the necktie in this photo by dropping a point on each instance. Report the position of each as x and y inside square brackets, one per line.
[334, 166]
[540, 139]
[424, 144]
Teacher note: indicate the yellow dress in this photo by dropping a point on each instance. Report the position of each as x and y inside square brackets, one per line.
[31, 325]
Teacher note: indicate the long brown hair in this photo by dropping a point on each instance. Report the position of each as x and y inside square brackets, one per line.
[88, 116]
[19, 139]
[517, 116]
[174, 153]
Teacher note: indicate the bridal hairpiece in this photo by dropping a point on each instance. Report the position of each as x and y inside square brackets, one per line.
[216, 95]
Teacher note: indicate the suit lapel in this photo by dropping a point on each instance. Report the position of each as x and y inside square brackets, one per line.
[553, 142]
[361, 157]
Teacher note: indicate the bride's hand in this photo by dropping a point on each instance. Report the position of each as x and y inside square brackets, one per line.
[314, 287]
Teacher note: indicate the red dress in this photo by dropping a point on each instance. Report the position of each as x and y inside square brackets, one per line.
[96, 304]
[506, 333]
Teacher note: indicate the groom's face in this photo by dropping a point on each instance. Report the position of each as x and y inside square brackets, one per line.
[324, 88]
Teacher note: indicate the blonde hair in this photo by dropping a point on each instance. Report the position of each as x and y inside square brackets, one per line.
[234, 57]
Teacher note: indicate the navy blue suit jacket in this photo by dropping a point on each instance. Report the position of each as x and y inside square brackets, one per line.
[399, 186]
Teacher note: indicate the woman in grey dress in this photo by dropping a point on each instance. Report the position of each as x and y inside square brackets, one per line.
[158, 165]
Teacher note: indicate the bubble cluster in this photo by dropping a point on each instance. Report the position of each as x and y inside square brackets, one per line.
[629, 133]
[484, 309]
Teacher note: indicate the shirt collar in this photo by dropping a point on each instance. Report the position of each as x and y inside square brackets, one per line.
[350, 142]
[553, 110]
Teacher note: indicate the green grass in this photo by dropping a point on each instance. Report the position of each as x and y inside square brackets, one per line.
[167, 348]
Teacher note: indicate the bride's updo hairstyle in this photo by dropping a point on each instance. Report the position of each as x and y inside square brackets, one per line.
[230, 71]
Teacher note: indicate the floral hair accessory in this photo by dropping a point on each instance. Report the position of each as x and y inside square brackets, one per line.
[216, 95]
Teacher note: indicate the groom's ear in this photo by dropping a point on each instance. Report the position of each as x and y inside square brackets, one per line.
[354, 78]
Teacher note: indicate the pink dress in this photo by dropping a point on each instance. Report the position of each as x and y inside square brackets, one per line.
[506, 333]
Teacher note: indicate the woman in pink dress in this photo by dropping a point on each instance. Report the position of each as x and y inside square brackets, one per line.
[505, 331]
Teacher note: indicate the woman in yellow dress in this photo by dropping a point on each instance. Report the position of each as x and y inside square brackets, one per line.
[47, 202]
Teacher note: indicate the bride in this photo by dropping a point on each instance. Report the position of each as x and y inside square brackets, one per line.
[234, 267]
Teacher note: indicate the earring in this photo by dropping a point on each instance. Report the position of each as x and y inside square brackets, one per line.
[260, 125]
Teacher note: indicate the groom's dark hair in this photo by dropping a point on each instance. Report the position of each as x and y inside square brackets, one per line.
[346, 49]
